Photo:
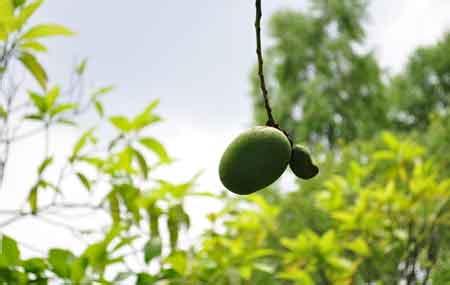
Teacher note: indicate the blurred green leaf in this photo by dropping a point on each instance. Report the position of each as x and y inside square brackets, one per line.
[81, 68]
[61, 261]
[26, 12]
[146, 117]
[35, 68]
[359, 246]
[35, 265]
[38, 101]
[33, 199]
[51, 96]
[178, 261]
[18, 3]
[121, 123]
[102, 91]
[61, 108]
[156, 147]
[99, 108]
[44, 165]
[78, 269]
[145, 279]
[46, 30]
[9, 253]
[114, 206]
[6, 9]
[142, 163]
[3, 113]
[33, 46]
[82, 141]
[84, 180]
[152, 249]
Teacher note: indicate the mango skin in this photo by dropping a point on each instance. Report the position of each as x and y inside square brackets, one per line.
[254, 160]
[301, 163]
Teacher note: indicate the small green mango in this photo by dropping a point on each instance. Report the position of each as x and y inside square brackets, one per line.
[254, 160]
[301, 163]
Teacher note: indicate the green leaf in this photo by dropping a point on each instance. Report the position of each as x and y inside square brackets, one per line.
[6, 10]
[145, 279]
[81, 67]
[78, 269]
[359, 246]
[18, 3]
[44, 165]
[26, 12]
[82, 141]
[99, 108]
[9, 251]
[156, 147]
[152, 249]
[84, 180]
[35, 265]
[97, 255]
[66, 122]
[146, 117]
[102, 91]
[33, 46]
[61, 261]
[121, 123]
[3, 113]
[38, 101]
[114, 207]
[52, 96]
[301, 277]
[173, 224]
[151, 106]
[62, 108]
[46, 30]
[33, 199]
[35, 68]
[3, 37]
[125, 160]
[125, 241]
[130, 195]
[178, 261]
[35, 117]
[142, 163]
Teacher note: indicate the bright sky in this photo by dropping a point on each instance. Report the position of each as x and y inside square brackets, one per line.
[196, 57]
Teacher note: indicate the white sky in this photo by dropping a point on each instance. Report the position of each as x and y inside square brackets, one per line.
[195, 56]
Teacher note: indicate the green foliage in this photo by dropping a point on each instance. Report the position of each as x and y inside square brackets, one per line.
[427, 72]
[380, 219]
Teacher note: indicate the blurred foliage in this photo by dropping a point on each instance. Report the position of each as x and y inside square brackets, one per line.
[377, 214]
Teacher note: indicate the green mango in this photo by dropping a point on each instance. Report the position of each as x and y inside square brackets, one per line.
[254, 160]
[301, 163]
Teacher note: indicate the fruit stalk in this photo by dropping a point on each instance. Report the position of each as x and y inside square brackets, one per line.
[270, 122]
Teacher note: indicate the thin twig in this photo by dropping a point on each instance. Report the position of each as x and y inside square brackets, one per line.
[262, 81]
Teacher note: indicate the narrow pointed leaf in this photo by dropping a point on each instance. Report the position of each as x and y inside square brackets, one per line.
[35, 68]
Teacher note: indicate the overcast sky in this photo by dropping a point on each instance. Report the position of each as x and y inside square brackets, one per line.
[196, 57]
